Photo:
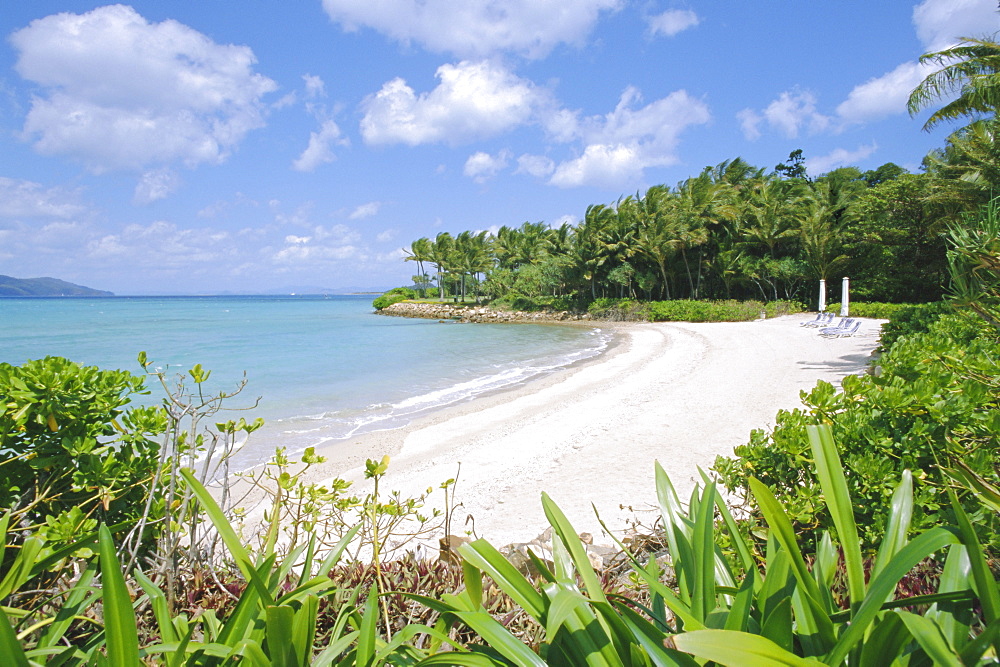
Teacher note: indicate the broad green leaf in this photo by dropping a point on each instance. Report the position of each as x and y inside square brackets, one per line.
[158, 602]
[898, 525]
[10, 647]
[927, 633]
[830, 472]
[571, 540]
[736, 649]
[121, 635]
[226, 532]
[784, 534]
[500, 638]
[304, 629]
[369, 629]
[280, 644]
[484, 556]
[882, 586]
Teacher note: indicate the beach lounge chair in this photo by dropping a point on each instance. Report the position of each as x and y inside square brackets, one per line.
[822, 320]
[844, 323]
[845, 332]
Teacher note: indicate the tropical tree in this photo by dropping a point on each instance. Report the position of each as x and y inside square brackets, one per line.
[419, 252]
[970, 70]
[440, 253]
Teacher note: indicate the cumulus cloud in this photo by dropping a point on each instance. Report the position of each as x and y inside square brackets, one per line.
[116, 91]
[840, 157]
[941, 23]
[155, 185]
[538, 166]
[481, 166]
[472, 100]
[791, 113]
[327, 244]
[620, 145]
[365, 210]
[475, 28]
[320, 148]
[20, 199]
[672, 21]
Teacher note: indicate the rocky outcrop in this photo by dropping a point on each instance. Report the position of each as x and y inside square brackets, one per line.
[473, 313]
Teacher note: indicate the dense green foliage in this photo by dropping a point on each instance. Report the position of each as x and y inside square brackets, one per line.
[875, 309]
[934, 401]
[735, 609]
[74, 451]
[395, 295]
[686, 310]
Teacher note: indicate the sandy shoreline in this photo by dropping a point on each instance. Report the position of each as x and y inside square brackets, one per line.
[679, 393]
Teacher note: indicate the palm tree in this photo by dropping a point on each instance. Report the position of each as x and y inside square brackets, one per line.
[972, 70]
[470, 257]
[820, 237]
[655, 239]
[419, 252]
[440, 256]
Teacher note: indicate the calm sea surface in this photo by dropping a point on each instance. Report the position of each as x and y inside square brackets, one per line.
[325, 368]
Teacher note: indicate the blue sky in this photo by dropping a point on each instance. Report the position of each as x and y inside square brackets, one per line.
[200, 146]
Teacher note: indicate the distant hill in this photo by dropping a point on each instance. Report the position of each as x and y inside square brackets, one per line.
[44, 287]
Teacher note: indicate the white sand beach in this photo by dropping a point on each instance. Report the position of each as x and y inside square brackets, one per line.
[678, 393]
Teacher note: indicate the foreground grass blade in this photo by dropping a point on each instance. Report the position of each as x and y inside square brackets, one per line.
[121, 635]
[929, 636]
[882, 586]
[737, 649]
[838, 500]
[568, 536]
[10, 647]
[226, 532]
[898, 525]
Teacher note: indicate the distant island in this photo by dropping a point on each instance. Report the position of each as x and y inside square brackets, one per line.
[10, 286]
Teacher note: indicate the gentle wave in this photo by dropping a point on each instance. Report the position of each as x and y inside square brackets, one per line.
[298, 432]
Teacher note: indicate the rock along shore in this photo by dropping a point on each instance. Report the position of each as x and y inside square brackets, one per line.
[473, 313]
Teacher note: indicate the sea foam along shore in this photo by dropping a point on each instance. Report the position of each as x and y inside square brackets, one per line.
[679, 393]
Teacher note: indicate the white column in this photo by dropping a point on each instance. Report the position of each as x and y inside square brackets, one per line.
[822, 295]
[845, 298]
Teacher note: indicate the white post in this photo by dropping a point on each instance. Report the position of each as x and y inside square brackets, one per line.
[845, 297]
[822, 295]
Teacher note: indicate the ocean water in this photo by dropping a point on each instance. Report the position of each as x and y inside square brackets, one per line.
[325, 368]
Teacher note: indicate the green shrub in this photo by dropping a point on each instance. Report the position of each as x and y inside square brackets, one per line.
[74, 452]
[935, 402]
[910, 320]
[395, 295]
[875, 309]
[619, 310]
[718, 311]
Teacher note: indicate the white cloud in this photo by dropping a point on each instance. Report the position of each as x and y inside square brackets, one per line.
[623, 143]
[319, 151]
[672, 21]
[386, 236]
[26, 199]
[365, 210]
[883, 96]
[155, 185]
[472, 100]
[600, 164]
[314, 86]
[538, 166]
[481, 166]
[119, 92]
[750, 122]
[840, 157]
[792, 112]
[941, 23]
[475, 28]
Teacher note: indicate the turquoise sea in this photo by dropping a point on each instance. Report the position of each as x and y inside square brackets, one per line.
[325, 368]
